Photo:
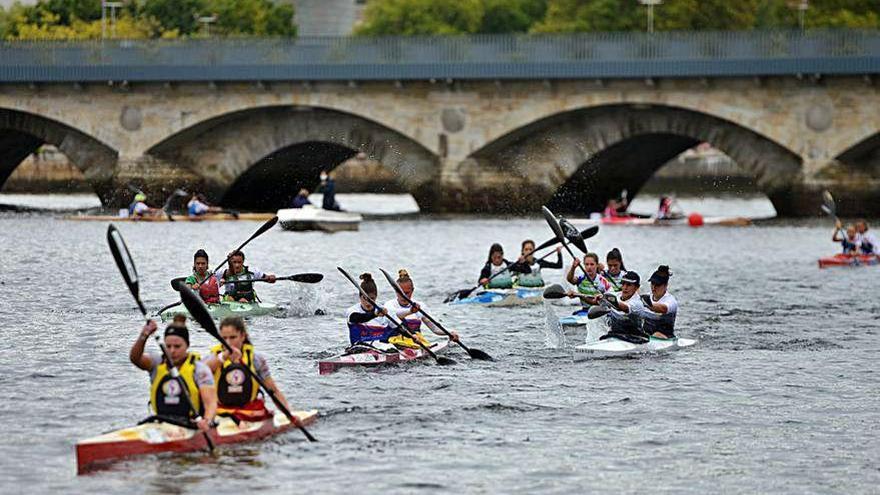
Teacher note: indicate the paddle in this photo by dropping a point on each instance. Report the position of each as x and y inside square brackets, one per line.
[461, 294]
[557, 229]
[573, 236]
[402, 329]
[130, 275]
[829, 206]
[303, 278]
[263, 228]
[473, 353]
[199, 312]
[555, 291]
[178, 193]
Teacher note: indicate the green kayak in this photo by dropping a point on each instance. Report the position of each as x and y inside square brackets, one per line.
[226, 308]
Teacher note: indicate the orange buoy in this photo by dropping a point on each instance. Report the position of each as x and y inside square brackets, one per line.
[695, 220]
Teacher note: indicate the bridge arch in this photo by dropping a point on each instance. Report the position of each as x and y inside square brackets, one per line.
[580, 158]
[258, 158]
[22, 133]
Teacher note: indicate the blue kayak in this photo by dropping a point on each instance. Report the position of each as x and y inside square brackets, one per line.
[505, 297]
[575, 319]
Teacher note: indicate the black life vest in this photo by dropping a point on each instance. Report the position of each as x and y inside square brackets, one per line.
[235, 386]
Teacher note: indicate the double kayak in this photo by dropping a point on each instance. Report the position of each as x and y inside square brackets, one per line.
[505, 297]
[849, 260]
[209, 217]
[370, 357]
[159, 437]
[613, 347]
[692, 220]
[226, 308]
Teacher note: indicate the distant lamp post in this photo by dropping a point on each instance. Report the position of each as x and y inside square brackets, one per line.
[206, 22]
[112, 6]
[801, 6]
[650, 4]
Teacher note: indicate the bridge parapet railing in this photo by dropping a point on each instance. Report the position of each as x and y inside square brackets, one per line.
[681, 54]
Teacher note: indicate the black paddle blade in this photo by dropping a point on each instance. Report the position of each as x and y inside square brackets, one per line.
[306, 278]
[266, 226]
[597, 312]
[553, 223]
[445, 361]
[573, 235]
[478, 354]
[125, 264]
[459, 294]
[555, 291]
[199, 312]
[175, 282]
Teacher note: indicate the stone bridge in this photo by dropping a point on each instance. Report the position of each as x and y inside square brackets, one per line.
[478, 137]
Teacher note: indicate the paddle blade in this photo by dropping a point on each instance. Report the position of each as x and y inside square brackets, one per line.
[597, 312]
[478, 354]
[828, 203]
[553, 223]
[555, 291]
[198, 311]
[445, 361]
[176, 282]
[573, 235]
[266, 226]
[125, 264]
[306, 278]
[589, 232]
[459, 294]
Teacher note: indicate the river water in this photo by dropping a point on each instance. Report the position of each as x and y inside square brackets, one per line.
[779, 395]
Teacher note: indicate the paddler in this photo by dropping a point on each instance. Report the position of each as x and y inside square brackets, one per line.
[661, 306]
[197, 206]
[410, 314]
[495, 265]
[139, 208]
[202, 280]
[533, 278]
[366, 323]
[589, 285]
[301, 199]
[664, 209]
[166, 393]
[237, 391]
[868, 243]
[614, 270]
[238, 272]
[850, 241]
[625, 317]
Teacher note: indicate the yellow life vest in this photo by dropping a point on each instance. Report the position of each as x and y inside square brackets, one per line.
[166, 397]
[404, 341]
[234, 386]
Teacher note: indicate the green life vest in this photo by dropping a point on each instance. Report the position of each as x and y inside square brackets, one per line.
[502, 281]
[589, 288]
[242, 290]
[533, 279]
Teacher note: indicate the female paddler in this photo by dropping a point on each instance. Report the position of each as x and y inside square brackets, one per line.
[237, 390]
[366, 323]
[202, 281]
[491, 276]
[661, 306]
[589, 285]
[614, 269]
[166, 394]
[410, 314]
[533, 277]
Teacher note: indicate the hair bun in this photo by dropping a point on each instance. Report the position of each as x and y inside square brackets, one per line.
[664, 269]
[402, 273]
[366, 277]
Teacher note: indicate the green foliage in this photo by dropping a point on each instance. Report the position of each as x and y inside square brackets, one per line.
[179, 15]
[411, 17]
[511, 16]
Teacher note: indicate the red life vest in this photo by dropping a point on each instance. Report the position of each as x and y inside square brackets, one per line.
[209, 290]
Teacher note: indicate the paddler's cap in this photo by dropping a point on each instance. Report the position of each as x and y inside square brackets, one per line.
[140, 197]
[631, 278]
[200, 254]
[178, 330]
[660, 276]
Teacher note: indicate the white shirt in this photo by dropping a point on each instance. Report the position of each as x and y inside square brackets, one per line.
[414, 320]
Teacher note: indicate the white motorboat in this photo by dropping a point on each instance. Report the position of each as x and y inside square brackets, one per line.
[311, 217]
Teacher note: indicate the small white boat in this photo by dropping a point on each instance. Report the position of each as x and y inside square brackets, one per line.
[311, 217]
[615, 347]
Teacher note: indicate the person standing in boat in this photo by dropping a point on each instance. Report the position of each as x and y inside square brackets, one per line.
[533, 278]
[491, 276]
[328, 189]
[235, 279]
[588, 285]
[868, 243]
[614, 270]
[237, 390]
[410, 314]
[625, 318]
[367, 324]
[848, 239]
[301, 199]
[202, 280]
[168, 394]
[661, 307]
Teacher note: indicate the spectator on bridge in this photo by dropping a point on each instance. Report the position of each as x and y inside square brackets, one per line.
[328, 188]
[301, 199]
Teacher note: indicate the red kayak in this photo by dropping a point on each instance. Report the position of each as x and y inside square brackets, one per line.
[849, 260]
[373, 357]
[694, 220]
[158, 437]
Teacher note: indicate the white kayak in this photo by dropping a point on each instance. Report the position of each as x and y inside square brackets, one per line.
[310, 217]
[615, 347]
